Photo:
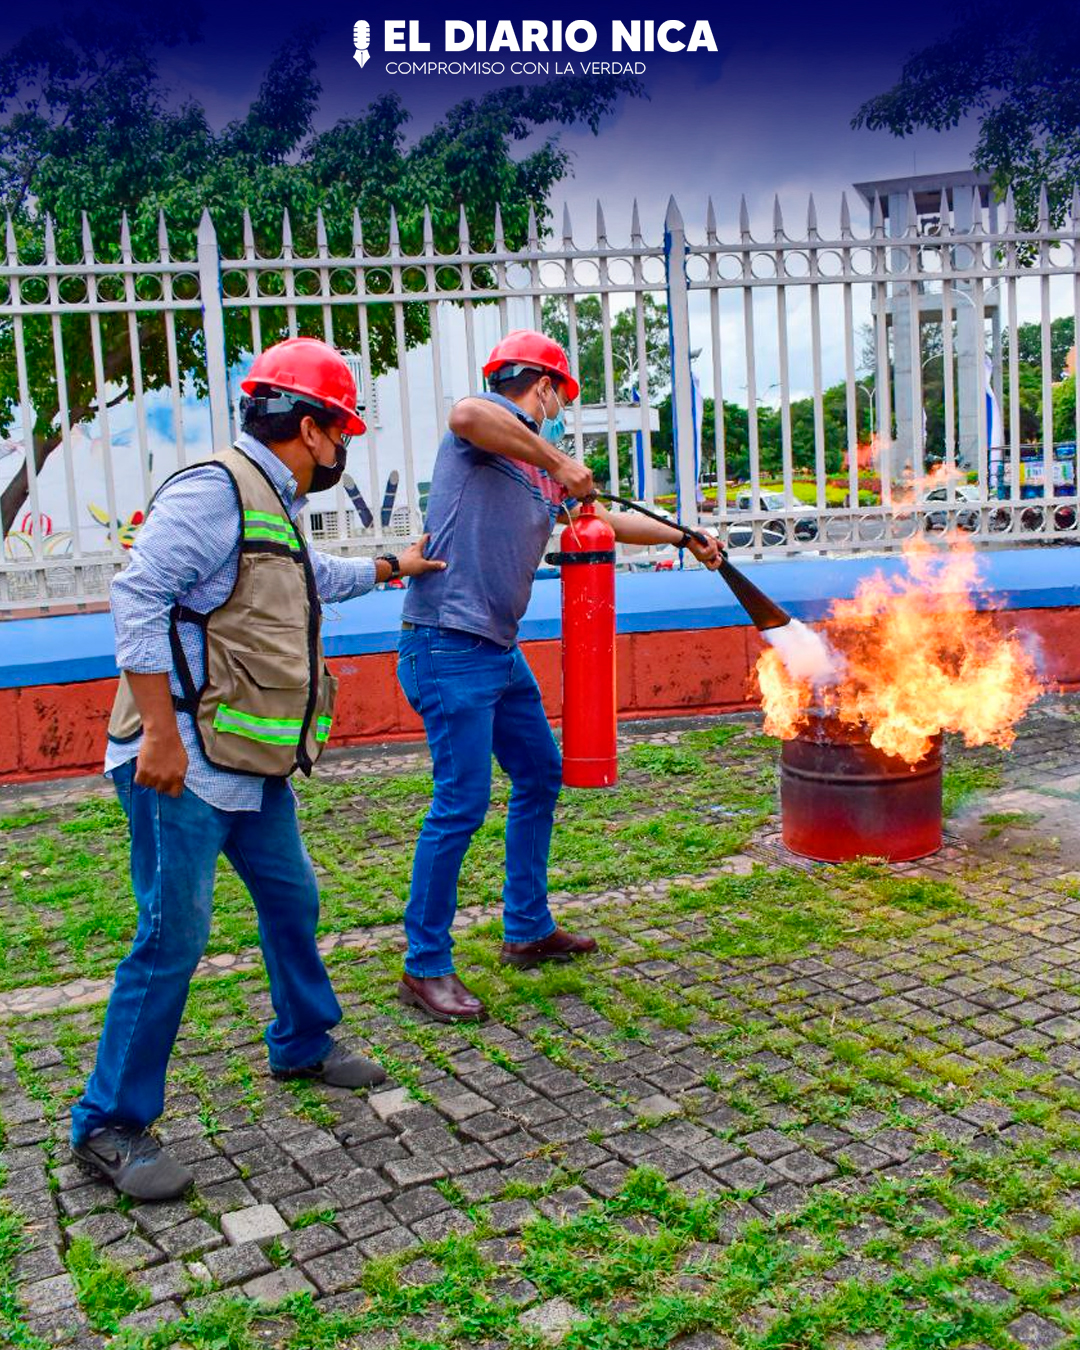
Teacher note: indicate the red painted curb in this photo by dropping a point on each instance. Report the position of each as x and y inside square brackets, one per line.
[57, 731]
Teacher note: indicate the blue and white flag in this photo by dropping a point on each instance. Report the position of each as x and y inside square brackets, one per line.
[995, 428]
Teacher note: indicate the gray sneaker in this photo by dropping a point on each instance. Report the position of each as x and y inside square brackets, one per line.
[339, 1068]
[134, 1162]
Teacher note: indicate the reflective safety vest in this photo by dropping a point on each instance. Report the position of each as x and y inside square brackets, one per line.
[266, 704]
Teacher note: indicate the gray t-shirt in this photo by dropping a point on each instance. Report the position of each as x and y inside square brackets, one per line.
[490, 519]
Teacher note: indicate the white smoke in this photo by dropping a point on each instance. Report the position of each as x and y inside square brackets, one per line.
[805, 653]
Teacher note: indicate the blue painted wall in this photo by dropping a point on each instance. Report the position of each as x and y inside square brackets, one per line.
[67, 649]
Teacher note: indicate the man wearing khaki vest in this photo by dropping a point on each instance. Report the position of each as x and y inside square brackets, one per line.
[223, 694]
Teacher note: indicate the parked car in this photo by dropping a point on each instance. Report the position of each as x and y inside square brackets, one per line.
[936, 522]
[774, 533]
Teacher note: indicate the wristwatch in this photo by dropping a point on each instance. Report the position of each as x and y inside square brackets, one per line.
[395, 566]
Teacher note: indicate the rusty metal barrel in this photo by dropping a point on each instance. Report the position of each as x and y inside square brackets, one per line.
[841, 798]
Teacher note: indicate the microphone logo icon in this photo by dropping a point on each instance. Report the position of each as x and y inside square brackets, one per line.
[362, 41]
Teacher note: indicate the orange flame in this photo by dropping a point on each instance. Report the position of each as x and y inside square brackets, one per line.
[917, 658]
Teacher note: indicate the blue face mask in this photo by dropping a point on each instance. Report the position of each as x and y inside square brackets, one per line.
[553, 429]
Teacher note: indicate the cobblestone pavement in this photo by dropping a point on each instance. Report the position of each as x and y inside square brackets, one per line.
[787, 1106]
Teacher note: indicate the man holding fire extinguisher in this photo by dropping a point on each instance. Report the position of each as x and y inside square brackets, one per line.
[500, 483]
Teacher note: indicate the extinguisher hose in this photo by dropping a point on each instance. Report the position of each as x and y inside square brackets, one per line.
[763, 612]
[627, 504]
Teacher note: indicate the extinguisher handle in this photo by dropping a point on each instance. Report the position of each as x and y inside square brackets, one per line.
[687, 533]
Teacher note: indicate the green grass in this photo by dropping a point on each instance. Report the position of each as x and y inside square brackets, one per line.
[722, 977]
[13, 1240]
[966, 779]
[105, 1292]
[997, 822]
[66, 907]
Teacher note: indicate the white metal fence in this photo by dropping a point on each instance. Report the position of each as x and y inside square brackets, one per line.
[815, 346]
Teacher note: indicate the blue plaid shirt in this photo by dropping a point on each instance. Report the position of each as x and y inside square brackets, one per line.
[187, 553]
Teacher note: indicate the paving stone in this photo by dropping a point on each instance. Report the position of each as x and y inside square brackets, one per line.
[606, 1181]
[149, 1319]
[278, 1285]
[185, 1239]
[551, 1321]
[508, 1289]
[365, 1220]
[863, 1158]
[44, 1297]
[388, 1241]
[132, 1253]
[38, 1265]
[229, 1195]
[441, 1225]
[500, 1252]
[418, 1203]
[336, 1270]
[155, 1218]
[510, 1216]
[165, 1281]
[804, 1168]
[489, 1125]
[768, 1145]
[213, 1170]
[234, 1265]
[256, 1224]
[1035, 1332]
[315, 1240]
[567, 1204]
[414, 1171]
[273, 1186]
[74, 1203]
[747, 1174]
[357, 1188]
[391, 1102]
[656, 1105]
[985, 1292]
[316, 1201]
[461, 1106]
[419, 1273]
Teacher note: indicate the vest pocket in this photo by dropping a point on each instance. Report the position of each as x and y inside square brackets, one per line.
[257, 722]
[323, 719]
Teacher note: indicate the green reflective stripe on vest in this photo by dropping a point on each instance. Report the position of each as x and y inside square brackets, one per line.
[274, 730]
[322, 728]
[264, 526]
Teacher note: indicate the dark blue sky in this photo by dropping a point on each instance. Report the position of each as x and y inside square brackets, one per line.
[770, 112]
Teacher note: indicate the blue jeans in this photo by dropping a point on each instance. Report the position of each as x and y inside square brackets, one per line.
[477, 698]
[175, 843]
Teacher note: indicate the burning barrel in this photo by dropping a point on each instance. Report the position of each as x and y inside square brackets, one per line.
[841, 798]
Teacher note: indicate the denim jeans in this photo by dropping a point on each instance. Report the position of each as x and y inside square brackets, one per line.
[175, 844]
[477, 698]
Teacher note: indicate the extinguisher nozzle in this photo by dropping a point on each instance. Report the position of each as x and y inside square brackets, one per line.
[764, 613]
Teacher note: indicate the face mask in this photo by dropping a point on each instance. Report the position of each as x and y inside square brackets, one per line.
[328, 475]
[553, 429]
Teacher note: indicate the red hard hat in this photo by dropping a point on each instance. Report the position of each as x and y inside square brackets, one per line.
[307, 366]
[525, 347]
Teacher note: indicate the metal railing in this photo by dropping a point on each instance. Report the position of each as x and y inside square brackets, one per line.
[127, 369]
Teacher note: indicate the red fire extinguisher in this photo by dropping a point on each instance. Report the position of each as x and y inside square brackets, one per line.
[587, 560]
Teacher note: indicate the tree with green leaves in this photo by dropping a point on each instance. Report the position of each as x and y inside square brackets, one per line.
[86, 127]
[1029, 345]
[1017, 69]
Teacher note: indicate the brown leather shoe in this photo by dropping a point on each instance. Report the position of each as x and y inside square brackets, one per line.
[443, 997]
[558, 946]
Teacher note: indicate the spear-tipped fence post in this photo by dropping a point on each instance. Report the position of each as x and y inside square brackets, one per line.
[213, 312]
[678, 298]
